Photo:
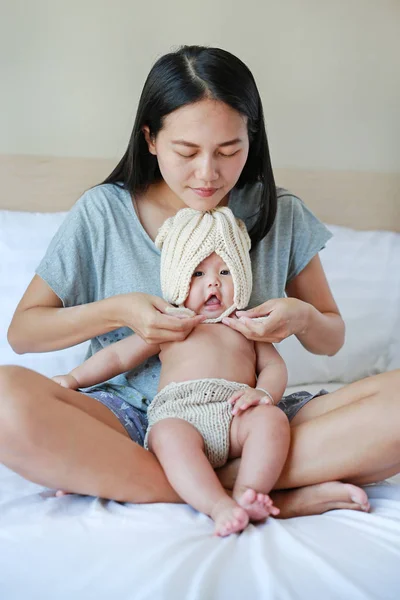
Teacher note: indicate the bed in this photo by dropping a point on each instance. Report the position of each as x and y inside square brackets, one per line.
[78, 547]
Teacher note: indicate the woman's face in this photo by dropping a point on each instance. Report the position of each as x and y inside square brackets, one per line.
[201, 151]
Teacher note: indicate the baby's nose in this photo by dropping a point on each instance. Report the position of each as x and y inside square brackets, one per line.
[214, 282]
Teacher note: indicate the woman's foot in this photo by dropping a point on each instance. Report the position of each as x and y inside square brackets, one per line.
[258, 506]
[229, 517]
[319, 498]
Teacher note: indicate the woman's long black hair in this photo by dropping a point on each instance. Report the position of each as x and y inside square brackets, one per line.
[184, 77]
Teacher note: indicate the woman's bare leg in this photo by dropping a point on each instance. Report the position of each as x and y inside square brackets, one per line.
[351, 435]
[358, 440]
[60, 438]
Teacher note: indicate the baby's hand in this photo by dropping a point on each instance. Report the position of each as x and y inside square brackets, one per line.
[67, 381]
[243, 399]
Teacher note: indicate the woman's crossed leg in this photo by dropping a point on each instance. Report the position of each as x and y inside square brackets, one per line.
[62, 439]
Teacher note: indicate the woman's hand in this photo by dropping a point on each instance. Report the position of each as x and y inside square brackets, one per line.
[272, 321]
[147, 316]
[67, 381]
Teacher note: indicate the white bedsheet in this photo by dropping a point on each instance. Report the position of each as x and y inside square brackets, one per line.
[77, 547]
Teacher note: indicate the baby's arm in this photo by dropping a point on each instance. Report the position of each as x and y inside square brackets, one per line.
[109, 362]
[271, 380]
[271, 370]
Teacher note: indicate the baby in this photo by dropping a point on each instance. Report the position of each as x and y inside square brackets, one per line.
[217, 389]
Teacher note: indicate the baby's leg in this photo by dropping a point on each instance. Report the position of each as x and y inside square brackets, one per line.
[180, 449]
[261, 435]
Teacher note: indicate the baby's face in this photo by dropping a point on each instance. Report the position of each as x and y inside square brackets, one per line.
[211, 289]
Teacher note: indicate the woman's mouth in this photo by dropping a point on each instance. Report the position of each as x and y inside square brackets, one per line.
[205, 192]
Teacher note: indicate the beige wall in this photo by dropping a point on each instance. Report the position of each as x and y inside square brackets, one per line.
[328, 72]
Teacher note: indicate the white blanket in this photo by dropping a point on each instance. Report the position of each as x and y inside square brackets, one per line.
[83, 548]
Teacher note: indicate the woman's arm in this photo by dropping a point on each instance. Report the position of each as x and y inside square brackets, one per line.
[324, 330]
[310, 312]
[109, 362]
[41, 323]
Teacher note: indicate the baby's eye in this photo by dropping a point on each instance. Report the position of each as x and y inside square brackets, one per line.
[225, 272]
[197, 273]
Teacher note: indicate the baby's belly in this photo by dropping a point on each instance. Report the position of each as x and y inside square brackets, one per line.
[241, 371]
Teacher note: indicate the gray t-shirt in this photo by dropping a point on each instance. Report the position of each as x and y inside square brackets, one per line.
[101, 250]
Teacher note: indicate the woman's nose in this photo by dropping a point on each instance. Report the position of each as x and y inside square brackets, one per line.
[207, 170]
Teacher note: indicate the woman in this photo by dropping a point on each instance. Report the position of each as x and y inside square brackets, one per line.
[199, 141]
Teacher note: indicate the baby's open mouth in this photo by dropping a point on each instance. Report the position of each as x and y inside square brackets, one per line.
[213, 301]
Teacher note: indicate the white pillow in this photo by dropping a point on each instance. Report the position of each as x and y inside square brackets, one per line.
[24, 238]
[363, 269]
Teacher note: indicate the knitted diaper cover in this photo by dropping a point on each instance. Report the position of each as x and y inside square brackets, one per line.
[203, 403]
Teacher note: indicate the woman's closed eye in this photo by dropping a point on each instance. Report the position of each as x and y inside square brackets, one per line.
[186, 155]
[219, 154]
[228, 155]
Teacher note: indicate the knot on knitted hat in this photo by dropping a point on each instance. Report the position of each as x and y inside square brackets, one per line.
[190, 237]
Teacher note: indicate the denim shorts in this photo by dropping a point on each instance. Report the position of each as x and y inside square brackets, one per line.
[135, 420]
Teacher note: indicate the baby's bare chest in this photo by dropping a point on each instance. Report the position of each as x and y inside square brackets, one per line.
[212, 340]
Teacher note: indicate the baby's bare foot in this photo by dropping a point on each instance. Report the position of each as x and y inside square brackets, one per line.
[229, 517]
[319, 498]
[258, 506]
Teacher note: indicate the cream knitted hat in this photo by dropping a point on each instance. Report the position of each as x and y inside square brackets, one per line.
[191, 236]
